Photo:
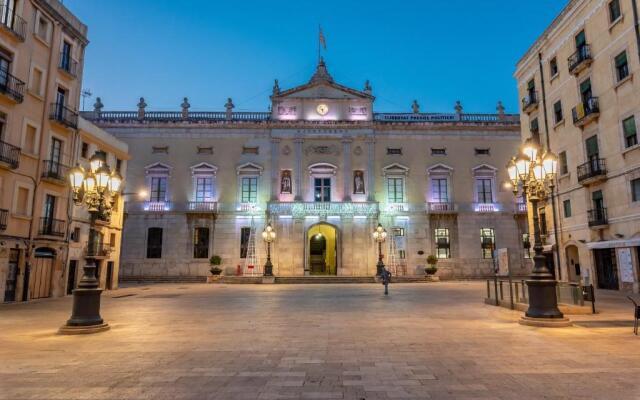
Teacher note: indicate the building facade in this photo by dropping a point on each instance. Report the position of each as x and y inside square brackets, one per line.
[323, 169]
[580, 99]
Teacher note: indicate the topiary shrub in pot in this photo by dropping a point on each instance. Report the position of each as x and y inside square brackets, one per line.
[215, 262]
[431, 269]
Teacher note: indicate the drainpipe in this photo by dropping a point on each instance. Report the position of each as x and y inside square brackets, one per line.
[636, 24]
[553, 193]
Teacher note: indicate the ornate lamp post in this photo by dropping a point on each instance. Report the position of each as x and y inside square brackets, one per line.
[534, 175]
[96, 189]
[380, 235]
[268, 235]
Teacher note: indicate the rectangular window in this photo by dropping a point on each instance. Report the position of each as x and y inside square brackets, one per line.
[84, 152]
[622, 66]
[562, 160]
[30, 139]
[553, 67]
[112, 240]
[443, 247]
[581, 40]
[395, 190]
[201, 243]
[488, 241]
[158, 189]
[322, 189]
[42, 28]
[566, 205]
[526, 245]
[484, 190]
[75, 235]
[635, 190]
[244, 241]
[154, 243]
[204, 189]
[22, 202]
[614, 10]
[439, 190]
[557, 112]
[394, 151]
[36, 81]
[482, 152]
[438, 151]
[630, 132]
[249, 190]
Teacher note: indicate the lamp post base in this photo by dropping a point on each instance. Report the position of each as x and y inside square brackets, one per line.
[379, 268]
[545, 322]
[268, 269]
[85, 317]
[543, 300]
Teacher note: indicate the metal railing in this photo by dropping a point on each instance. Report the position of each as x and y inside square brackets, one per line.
[301, 209]
[502, 291]
[11, 21]
[202, 206]
[52, 227]
[580, 56]
[54, 170]
[597, 217]
[10, 154]
[98, 250]
[441, 207]
[11, 86]
[68, 64]
[4, 216]
[63, 115]
[530, 101]
[583, 111]
[593, 168]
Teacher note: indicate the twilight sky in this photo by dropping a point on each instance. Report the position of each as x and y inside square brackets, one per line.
[434, 51]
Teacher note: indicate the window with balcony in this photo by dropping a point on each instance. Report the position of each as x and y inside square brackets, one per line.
[566, 206]
[630, 132]
[622, 66]
[635, 189]
[204, 189]
[158, 190]
[614, 11]
[484, 190]
[487, 240]
[553, 67]
[562, 161]
[440, 190]
[201, 243]
[154, 243]
[443, 247]
[557, 112]
[249, 192]
[322, 190]
[395, 190]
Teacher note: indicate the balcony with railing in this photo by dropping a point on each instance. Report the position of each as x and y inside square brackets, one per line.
[521, 208]
[301, 209]
[592, 171]
[4, 217]
[11, 22]
[598, 217]
[530, 102]
[98, 250]
[580, 60]
[9, 155]
[68, 65]
[63, 115]
[54, 172]
[201, 207]
[52, 227]
[11, 87]
[442, 208]
[586, 112]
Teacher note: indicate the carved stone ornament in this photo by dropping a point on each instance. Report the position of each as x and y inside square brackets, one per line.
[357, 151]
[326, 150]
[286, 150]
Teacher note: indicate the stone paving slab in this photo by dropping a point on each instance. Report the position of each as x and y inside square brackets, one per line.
[343, 341]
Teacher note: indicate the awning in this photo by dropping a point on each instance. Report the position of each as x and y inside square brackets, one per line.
[608, 244]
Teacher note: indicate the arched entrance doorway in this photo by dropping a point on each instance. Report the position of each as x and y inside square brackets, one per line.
[573, 263]
[322, 250]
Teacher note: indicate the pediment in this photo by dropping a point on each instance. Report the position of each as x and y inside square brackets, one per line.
[158, 168]
[439, 169]
[204, 168]
[323, 90]
[484, 170]
[249, 169]
[395, 169]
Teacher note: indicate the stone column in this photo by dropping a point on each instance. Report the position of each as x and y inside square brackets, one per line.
[297, 174]
[275, 168]
[371, 171]
[348, 173]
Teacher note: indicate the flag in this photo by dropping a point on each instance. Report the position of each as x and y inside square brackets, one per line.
[323, 42]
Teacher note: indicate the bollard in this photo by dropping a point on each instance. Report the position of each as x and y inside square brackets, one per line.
[386, 279]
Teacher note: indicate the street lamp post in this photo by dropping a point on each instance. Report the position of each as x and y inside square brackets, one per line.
[96, 189]
[535, 175]
[268, 235]
[380, 235]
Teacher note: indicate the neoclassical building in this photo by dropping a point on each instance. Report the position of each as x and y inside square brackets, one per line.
[324, 170]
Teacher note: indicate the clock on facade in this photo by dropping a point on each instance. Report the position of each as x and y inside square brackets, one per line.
[322, 109]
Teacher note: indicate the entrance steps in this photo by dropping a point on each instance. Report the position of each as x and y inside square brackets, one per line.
[293, 280]
[163, 279]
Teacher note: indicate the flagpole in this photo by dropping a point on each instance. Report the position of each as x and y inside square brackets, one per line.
[319, 33]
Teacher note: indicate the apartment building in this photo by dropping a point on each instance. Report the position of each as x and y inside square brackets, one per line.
[580, 97]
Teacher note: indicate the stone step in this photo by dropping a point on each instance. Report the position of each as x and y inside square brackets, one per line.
[164, 279]
[324, 279]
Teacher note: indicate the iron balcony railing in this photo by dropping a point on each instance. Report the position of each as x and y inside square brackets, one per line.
[582, 55]
[15, 23]
[10, 154]
[4, 216]
[593, 168]
[11, 86]
[63, 115]
[68, 64]
[598, 217]
[530, 101]
[441, 207]
[52, 227]
[98, 250]
[54, 170]
[584, 111]
[202, 206]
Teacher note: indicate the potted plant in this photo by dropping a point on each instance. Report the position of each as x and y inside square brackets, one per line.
[431, 269]
[215, 269]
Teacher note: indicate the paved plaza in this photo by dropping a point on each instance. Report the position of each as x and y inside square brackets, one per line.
[424, 341]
